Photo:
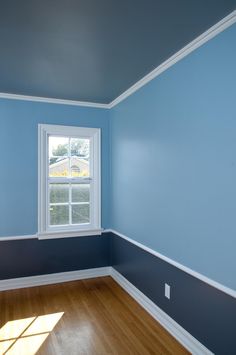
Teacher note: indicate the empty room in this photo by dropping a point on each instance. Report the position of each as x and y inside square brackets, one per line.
[118, 177]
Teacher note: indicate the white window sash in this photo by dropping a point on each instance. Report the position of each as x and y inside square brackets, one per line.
[94, 180]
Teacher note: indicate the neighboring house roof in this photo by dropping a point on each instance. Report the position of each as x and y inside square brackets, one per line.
[76, 162]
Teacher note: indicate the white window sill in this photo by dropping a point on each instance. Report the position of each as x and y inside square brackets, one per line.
[69, 234]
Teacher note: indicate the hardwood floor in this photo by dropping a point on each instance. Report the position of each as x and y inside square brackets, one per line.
[89, 317]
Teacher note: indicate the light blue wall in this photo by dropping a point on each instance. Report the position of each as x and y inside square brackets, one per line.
[174, 161]
[18, 148]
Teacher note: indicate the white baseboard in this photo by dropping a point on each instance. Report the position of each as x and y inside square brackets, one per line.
[39, 280]
[178, 332]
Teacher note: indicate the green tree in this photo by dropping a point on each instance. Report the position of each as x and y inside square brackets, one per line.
[61, 150]
[79, 147]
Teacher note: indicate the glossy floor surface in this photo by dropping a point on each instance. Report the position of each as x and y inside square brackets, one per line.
[87, 317]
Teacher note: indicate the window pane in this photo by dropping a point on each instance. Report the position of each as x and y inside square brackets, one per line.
[59, 193]
[79, 166]
[79, 157]
[58, 156]
[79, 147]
[80, 192]
[58, 146]
[60, 168]
[59, 215]
[80, 214]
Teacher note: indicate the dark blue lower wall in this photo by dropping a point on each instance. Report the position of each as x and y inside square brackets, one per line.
[19, 258]
[205, 312]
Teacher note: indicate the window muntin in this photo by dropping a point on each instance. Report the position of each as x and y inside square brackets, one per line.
[68, 157]
[69, 179]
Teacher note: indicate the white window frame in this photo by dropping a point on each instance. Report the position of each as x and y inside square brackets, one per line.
[92, 228]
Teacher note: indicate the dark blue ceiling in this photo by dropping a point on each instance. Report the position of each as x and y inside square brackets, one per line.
[93, 50]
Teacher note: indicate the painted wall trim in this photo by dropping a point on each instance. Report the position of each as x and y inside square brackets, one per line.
[178, 332]
[52, 100]
[18, 237]
[68, 234]
[197, 42]
[58, 235]
[180, 266]
[185, 338]
[48, 279]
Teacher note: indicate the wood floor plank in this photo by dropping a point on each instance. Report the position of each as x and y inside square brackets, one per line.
[88, 317]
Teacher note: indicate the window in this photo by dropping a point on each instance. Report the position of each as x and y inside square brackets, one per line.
[69, 181]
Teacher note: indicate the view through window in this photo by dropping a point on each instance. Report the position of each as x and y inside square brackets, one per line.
[69, 179]
[69, 193]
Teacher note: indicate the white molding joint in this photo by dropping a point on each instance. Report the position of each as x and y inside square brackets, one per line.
[189, 48]
[196, 43]
[229, 291]
[179, 333]
[197, 275]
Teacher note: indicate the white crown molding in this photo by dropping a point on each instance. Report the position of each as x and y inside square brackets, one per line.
[48, 279]
[196, 43]
[184, 268]
[199, 41]
[52, 100]
[178, 332]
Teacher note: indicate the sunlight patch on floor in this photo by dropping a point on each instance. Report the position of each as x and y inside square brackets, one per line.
[15, 328]
[4, 345]
[27, 345]
[43, 324]
[25, 336]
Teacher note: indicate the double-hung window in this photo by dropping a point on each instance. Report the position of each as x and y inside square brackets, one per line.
[69, 181]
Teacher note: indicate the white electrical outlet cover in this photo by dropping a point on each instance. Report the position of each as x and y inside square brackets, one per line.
[167, 291]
